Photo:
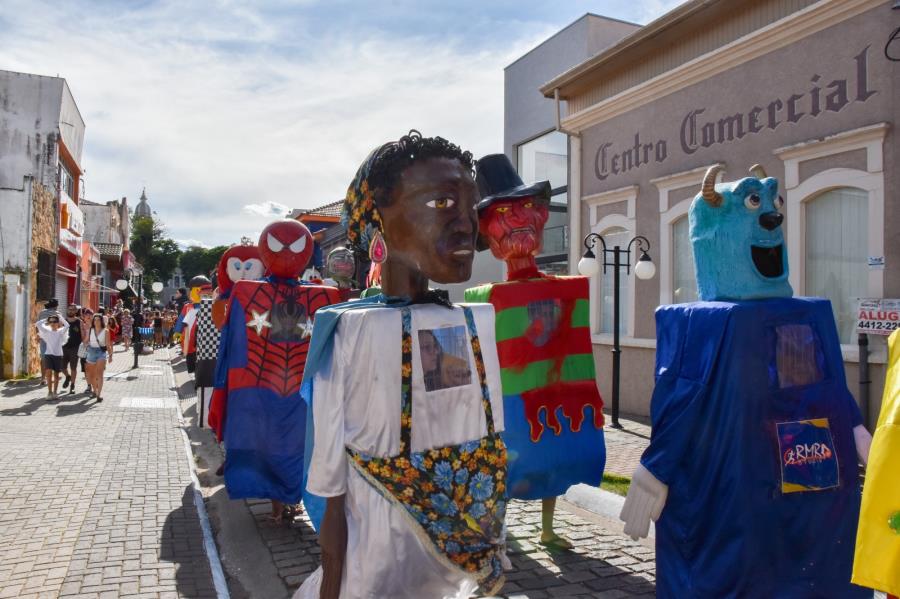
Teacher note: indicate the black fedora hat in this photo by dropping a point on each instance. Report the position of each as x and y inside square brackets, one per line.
[199, 281]
[498, 181]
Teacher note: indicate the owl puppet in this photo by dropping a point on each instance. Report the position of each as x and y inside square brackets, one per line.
[752, 465]
[551, 405]
[262, 354]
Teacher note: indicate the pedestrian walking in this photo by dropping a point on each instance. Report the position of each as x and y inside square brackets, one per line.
[54, 332]
[86, 316]
[127, 328]
[112, 325]
[99, 351]
[157, 329]
[70, 348]
[50, 308]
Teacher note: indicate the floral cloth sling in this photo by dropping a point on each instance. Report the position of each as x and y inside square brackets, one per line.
[455, 494]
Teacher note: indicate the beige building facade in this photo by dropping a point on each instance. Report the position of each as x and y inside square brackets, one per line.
[803, 88]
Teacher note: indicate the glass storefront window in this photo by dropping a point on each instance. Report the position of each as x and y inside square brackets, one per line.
[684, 279]
[836, 250]
[545, 158]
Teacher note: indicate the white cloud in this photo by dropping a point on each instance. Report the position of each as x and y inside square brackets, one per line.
[186, 243]
[269, 209]
[226, 114]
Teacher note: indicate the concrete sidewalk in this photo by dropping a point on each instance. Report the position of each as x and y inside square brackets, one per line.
[96, 500]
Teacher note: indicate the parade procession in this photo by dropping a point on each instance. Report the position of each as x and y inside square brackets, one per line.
[505, 301]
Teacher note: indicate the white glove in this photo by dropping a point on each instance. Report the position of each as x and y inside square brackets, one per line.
[863, 442]
[645, 501]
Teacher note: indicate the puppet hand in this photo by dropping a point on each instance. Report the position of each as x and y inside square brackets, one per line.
[863, 442]
[645, 501]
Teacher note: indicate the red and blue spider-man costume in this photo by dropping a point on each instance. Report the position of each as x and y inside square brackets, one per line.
[262, 353]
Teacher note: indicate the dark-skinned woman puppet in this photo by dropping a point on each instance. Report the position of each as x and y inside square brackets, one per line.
[414, 473]
[544, 346]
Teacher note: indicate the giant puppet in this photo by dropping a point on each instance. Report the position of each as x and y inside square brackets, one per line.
[554, 422]
[752, 464]
[238, 263]
[261, 359]
[406, 393]
[877, 561]
[198, 287]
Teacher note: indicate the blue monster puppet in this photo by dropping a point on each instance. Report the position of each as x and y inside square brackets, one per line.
[751, 472]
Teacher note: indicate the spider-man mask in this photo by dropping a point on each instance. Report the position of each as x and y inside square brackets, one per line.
[514, 228]
[239, 263]
[285, 248]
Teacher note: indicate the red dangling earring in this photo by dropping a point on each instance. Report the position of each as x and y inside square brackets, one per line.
[377, 248]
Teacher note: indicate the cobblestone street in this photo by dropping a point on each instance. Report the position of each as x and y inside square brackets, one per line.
[96, 500]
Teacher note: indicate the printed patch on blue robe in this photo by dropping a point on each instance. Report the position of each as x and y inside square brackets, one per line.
[808, 459]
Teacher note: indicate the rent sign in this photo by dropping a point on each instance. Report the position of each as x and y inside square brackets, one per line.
[878, 316]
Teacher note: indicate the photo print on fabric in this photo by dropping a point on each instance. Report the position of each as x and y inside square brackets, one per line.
[444, 354]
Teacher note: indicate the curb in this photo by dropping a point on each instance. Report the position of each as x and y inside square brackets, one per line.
[600, 502]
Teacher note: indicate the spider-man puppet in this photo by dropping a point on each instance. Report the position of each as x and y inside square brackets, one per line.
[544, 345]
[262, 353]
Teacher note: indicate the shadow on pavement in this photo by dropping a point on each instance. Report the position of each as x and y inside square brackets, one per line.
[25, 409]
[568, 573]
[84, 405]
[182, 544]
[20, 388]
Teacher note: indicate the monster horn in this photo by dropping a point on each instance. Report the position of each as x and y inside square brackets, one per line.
[708, 191]
[758, 171]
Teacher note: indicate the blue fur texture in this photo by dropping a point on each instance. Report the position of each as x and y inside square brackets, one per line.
[733, 251]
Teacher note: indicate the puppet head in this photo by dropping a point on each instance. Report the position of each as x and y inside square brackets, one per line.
[412, 207]
[737, 238]
[340, 265]
[511, 215]
[239, 263]
[285, 247]
[199, 286]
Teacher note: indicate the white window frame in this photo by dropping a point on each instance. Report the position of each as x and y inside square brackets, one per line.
[799, 193]
[667, 218]
[619, 220]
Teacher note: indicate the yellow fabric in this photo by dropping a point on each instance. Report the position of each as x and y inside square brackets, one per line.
[877, 561]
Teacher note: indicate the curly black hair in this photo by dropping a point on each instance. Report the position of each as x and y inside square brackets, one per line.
[396, 157]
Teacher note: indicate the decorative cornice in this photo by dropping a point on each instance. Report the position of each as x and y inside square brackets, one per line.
[774, 36]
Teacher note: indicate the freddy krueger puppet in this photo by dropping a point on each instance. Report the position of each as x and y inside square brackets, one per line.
[552, 408]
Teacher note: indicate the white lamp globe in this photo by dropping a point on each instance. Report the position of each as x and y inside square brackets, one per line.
[121, 284]
[157, 287]
[644, 269]
[588, 266]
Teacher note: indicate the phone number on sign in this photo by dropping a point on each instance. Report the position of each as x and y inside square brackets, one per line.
[877, 325]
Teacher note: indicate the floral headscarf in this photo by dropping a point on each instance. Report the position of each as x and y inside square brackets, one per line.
[360, 215]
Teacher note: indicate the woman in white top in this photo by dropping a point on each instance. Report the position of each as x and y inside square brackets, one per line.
[99, 347]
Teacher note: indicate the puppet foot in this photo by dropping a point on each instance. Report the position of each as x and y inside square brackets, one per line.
[554, 541]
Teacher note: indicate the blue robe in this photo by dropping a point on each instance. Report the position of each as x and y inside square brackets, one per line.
[753, 434]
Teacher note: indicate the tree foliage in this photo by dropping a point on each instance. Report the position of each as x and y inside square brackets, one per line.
[157, 253]
[198, 260]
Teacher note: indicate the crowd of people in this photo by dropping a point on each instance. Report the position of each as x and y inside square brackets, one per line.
[85, 338]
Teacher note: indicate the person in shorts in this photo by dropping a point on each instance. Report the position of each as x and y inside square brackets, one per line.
[99, 351]
[53, 331]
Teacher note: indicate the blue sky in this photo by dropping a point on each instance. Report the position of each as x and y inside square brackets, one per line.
[230, 112]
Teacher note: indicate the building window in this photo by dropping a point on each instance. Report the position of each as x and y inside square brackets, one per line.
[66, 181]
[615, 236]
[836, 250]
[46, 276]
[545, 158]
[684, 279]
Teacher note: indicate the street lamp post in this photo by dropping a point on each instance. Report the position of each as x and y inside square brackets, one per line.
[589, 265]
